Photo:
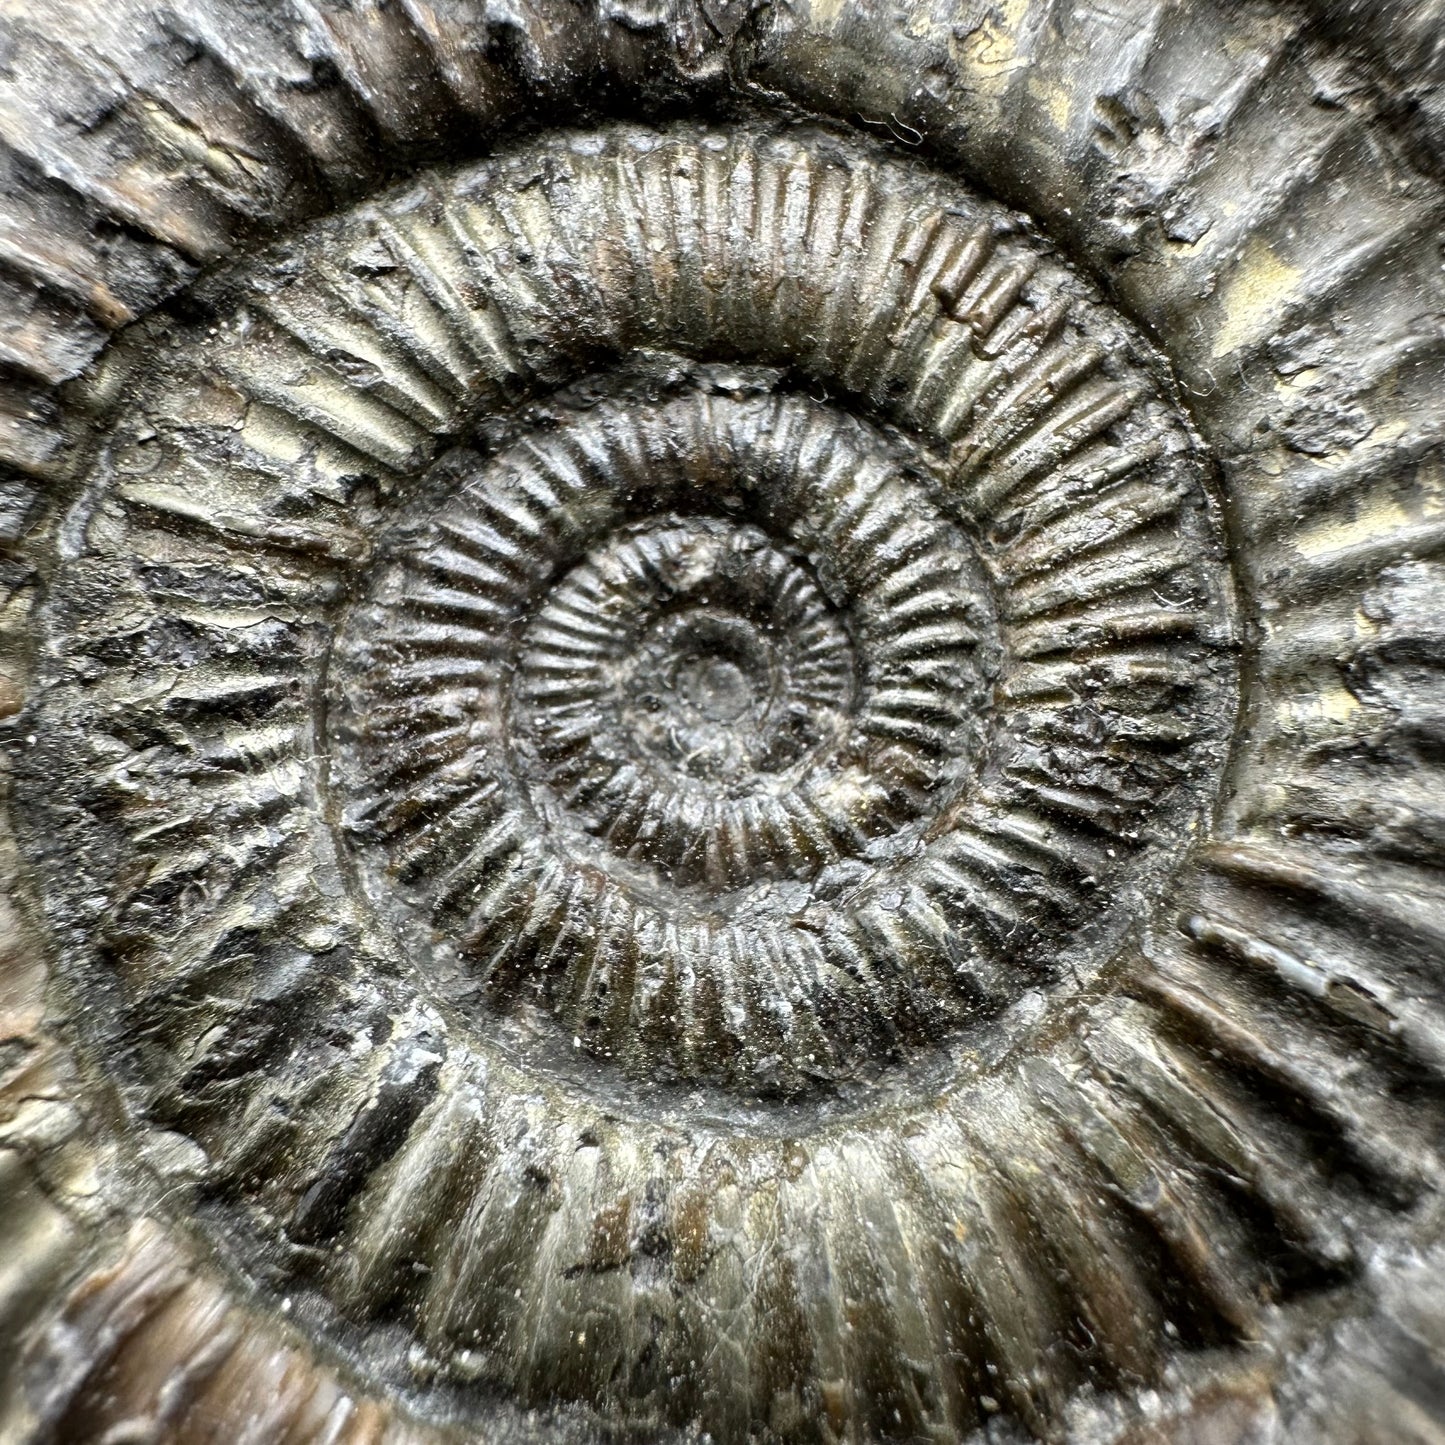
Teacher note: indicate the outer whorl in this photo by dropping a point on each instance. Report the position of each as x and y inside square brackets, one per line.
[724, 724]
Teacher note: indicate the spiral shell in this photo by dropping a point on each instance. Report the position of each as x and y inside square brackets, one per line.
[763, 772]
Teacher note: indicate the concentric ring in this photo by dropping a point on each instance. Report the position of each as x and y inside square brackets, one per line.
[677, 683]
[901, 477]
[664, 917]
[486, 1026]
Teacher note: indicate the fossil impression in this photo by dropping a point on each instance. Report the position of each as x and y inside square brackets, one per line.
[723, 722]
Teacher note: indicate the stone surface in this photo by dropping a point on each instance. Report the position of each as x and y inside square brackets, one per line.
[723, 722]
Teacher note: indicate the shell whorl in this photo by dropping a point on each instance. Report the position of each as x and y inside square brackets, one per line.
[678, 777]
[686, 731]
[954, 794]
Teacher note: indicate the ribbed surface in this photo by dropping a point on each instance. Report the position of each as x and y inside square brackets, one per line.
[1083, 1155]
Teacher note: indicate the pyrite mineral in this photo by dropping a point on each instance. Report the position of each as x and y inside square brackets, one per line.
[724, 721]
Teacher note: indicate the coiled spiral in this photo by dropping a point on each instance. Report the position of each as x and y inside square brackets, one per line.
[695, 777]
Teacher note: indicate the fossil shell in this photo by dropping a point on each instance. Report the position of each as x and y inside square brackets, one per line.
[722, 720]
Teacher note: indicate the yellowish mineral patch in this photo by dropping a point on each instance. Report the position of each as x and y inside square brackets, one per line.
[1252, 295]
[1333, 535]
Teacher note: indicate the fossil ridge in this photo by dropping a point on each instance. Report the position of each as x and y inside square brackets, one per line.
[723, 722]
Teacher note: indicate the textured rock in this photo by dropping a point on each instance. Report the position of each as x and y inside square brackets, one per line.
[723, 722]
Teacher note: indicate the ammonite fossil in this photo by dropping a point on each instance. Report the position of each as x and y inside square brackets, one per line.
[723, 722]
